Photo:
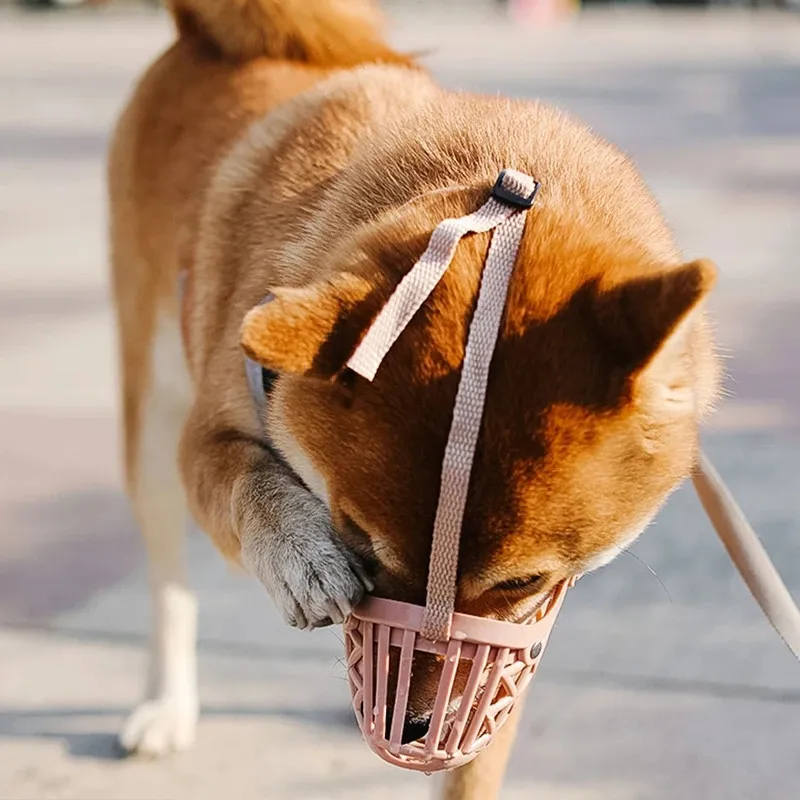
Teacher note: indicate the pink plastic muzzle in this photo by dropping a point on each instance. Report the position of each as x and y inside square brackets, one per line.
[500, 659]
[486, 664]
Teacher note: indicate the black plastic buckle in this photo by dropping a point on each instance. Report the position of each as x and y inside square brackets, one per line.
[500, 192]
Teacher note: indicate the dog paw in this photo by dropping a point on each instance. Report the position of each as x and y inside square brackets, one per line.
[312, 578]
[160, 726]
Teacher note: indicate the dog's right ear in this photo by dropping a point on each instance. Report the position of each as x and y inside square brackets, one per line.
[311, 330]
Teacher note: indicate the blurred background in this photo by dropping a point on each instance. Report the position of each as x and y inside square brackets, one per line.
[662, 681]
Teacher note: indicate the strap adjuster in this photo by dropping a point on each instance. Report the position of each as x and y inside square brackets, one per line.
[510, 188]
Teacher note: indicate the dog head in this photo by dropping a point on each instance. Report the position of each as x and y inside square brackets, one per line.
[602, 370]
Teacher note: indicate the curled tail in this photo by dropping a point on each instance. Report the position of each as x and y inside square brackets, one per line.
[326, 33]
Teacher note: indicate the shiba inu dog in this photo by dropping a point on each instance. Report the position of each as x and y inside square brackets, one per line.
[275, 174]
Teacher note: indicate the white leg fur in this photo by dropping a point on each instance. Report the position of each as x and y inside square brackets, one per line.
[167, 719]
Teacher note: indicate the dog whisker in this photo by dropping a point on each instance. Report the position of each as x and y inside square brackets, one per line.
[650, 570]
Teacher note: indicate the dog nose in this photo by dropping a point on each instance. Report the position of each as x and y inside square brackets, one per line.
[415, 729]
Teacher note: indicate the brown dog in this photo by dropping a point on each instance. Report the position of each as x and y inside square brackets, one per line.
[283, 147]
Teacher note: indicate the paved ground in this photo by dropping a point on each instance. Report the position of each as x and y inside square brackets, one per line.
[652, 688]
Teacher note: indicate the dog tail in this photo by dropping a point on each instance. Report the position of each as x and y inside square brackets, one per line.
[325, 33]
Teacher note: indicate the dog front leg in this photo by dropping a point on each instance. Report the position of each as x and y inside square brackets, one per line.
[258, 512]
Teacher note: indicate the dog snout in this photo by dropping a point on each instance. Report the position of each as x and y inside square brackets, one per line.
[415, 729]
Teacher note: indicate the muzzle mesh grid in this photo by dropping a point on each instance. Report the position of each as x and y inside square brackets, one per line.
[496, 659]
[383, 636]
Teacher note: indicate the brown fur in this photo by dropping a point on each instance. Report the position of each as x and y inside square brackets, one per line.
[334, 33]
[248, 160]
[568, 406]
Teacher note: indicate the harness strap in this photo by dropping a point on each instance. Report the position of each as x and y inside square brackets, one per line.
[259, 379]
[184, 306]
[255, 382]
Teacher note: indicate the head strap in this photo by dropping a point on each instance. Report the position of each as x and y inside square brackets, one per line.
[504, 212]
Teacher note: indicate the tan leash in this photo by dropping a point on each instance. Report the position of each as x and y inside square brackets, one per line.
[748, 553]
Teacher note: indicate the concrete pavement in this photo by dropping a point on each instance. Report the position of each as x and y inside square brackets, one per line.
[652, 687]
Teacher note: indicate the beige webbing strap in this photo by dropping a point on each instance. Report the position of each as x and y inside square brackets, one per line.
[506, 210]
[748, 554]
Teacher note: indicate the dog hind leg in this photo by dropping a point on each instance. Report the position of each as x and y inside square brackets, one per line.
[482, 778]
[167, 718]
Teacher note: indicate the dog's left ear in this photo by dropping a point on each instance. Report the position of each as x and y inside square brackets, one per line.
[640, 318]
[311, 330]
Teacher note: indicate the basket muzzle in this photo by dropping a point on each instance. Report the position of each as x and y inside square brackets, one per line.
[486, 664]
[498, 660]
[493, 660]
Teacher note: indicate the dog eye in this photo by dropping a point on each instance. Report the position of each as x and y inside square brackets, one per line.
[518, 584]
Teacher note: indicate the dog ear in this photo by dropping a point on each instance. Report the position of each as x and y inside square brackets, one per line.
[641, 317]
[311, 330]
